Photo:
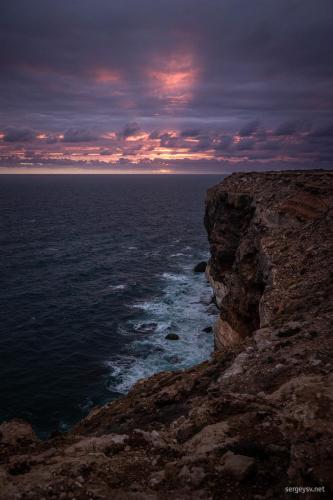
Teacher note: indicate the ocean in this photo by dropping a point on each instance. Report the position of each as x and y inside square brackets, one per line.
[95, 272]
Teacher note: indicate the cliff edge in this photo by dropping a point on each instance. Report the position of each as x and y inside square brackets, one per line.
[251, 422]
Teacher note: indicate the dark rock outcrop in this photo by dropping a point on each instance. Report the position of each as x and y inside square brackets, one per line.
[200, 267]
[172, 336]
[253, 420]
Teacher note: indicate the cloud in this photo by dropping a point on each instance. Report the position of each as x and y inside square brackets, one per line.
[52, 139]
[78, 135]
[190, 133]
[130, 130]
[154, 135]
[223, 143]
[286, 128]
[13, 134]
[193, 74]
[323, 131]
[245, 144]
[249, 129]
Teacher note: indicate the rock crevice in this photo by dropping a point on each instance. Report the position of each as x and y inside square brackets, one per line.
[238, 269]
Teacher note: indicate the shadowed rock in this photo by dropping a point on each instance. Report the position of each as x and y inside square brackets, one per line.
[172, 336]
[201, 267]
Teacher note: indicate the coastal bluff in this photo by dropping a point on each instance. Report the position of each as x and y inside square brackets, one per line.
[256, 418]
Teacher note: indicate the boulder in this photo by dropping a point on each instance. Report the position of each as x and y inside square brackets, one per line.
[239, 466]
[15, 432]
[172, 336]
[200, 267]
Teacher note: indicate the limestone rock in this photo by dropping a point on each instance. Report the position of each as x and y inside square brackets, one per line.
[225, 335]
[208, 440]
[16, 432]
[239, 466]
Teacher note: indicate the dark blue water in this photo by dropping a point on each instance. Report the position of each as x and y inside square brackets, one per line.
[95, 271]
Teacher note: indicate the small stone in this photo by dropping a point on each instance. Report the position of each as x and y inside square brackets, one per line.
[289, 329]
[157, 478]
[193, 476]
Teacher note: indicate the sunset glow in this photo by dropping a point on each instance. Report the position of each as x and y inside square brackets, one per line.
[201, 88]
[174, 78]
[106, 76]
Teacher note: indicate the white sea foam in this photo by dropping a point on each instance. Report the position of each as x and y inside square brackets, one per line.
[175, 277]
[181, 308]
[117, 287]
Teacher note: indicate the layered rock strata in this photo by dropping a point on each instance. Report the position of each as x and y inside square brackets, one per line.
[256, 418]
[265, 248]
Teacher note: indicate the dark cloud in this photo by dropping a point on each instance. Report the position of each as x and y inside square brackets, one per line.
[52, 139]
[167, 140]
[245, 144]
[13, 134]
[223, 143]
[78, 135]
[270, 145]
[190, 133]
[154, 135]
[130, 130]
[286, 128]
[249, 128]
[323, 131]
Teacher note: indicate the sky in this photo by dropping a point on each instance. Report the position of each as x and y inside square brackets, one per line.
[165, 86]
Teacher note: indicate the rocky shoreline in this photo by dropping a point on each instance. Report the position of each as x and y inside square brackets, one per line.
[253, 420]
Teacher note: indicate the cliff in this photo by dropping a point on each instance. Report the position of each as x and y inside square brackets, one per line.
[254, 419]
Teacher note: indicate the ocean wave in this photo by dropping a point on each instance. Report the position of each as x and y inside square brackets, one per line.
[175, 277]
[180, 308]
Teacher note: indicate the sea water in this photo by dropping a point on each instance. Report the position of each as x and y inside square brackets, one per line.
[95, 272]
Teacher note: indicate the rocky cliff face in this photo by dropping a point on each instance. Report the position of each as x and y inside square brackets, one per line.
[254, 419]
[269, 242]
